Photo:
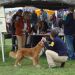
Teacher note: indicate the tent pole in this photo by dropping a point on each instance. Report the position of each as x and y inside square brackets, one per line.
[2, 46]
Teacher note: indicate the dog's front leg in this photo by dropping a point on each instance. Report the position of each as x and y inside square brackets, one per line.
[36, 61]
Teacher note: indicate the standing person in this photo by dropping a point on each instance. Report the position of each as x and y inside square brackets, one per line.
[43, 16]
[56, 52]
[33, 18]
[69, 31]
[28, 23]
[8, 22]
[14, 45]
[40, 28]
[19, 26]
[54, 20]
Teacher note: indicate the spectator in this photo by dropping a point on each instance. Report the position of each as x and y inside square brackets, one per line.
[19, 26]
[8, 22]
[40, 27]
[33, 18]
[69, 30]
[28, 24]
[44, 27]
[56, 52]
[14, 43]
[43, 16]
[53, 19]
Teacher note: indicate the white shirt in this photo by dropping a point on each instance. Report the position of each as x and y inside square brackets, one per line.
[8, 18]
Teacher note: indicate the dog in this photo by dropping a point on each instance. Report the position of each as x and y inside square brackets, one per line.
[32, 53]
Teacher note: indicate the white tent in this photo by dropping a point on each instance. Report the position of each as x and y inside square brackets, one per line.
[50, 4]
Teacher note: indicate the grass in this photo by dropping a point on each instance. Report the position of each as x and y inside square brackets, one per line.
[7, 67]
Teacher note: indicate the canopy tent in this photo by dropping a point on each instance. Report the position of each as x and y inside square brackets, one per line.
[46, 4]
[43, 4]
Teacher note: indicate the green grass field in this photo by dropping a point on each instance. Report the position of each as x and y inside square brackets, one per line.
[7, 67]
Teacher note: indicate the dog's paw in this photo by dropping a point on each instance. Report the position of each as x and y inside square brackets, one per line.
[15, 65]
[19, 64]
[38, 66]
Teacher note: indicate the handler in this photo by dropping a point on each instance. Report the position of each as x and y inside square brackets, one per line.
[56, 52]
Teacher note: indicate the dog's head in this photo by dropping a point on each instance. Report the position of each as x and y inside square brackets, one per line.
[41, 43]
[43, 39]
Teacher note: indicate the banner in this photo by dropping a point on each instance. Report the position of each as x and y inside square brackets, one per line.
[2, 20]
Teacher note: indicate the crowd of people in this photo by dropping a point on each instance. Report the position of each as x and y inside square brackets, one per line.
[24, 23]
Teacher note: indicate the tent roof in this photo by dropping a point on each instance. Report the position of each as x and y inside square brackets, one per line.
[48, 4]
[69, 1]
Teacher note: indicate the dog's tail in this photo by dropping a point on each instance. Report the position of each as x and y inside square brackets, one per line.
[12, 54]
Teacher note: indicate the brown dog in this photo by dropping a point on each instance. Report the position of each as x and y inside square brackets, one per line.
[32, 53]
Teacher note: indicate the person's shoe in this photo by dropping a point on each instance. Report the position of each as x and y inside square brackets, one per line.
[62, 64]
[52, 66]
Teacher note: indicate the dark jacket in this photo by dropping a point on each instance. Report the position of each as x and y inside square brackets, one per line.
[59, 46]
[13, 24]
[34, 17]
[69, 27]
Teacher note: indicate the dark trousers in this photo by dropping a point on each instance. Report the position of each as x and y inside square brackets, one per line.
[74, 43]
[14, 43]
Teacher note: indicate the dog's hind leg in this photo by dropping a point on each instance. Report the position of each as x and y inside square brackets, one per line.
[19, 63]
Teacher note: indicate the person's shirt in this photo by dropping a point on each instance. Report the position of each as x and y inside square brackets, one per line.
[19, 25]
[57, 45]
[34, 17]
[43, 16]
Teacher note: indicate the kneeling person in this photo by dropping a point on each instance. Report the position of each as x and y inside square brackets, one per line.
[56, 52]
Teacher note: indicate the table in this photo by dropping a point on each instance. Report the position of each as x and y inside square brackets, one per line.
[37, 37]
